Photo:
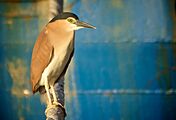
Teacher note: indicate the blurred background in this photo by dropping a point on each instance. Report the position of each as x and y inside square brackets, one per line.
[123, 70]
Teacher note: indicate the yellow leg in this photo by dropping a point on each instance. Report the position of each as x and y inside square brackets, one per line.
[55, 102]
[47, 92]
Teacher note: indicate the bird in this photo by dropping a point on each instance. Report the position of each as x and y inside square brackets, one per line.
[53, 51]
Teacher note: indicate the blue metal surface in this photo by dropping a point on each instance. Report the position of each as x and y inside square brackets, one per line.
[19, 27]
[124, 70]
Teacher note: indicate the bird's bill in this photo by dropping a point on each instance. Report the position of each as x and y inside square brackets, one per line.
[84, 25]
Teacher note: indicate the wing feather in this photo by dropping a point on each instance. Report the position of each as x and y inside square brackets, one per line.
[41, 56]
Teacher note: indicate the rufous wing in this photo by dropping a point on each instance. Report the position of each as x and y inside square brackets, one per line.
[41, 56]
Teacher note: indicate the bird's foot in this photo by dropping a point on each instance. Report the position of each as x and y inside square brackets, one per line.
[49, 107]
[55, 106]
[56, 103]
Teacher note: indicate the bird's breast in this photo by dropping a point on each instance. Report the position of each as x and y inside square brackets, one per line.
[63, 47]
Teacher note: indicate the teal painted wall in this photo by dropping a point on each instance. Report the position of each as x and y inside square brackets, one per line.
[20, 24]
[123, 70]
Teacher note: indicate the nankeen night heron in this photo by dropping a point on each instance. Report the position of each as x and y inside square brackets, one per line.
[53, 51]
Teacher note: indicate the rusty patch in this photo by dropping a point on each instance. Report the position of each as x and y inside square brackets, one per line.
[117, 3]
[69, 76]
[21, 118]
[172, 4]
[18, 72]
[69, 5]
[9, 23]
[19, 1]
[10, 1]
[163, 76]
[71, 90]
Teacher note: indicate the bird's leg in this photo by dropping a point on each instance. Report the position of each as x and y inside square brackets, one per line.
[55, 102]
[49, 104]
[47, 92]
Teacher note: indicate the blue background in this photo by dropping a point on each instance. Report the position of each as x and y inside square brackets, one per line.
[123, 70]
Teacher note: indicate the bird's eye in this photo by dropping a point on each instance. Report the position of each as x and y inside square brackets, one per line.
[71, 20]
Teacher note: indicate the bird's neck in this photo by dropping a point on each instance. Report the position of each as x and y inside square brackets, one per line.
[59, 35]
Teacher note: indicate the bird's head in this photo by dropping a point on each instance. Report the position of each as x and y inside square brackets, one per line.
[72, 21]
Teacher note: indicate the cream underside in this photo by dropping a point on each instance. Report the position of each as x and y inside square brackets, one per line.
[61, 38]
[56, 66]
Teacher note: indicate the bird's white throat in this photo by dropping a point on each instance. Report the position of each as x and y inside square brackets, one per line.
[75, 27]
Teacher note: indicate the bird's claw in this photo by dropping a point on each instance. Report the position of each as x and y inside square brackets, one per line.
[56, 103]
[49, 107]
[53, 105]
